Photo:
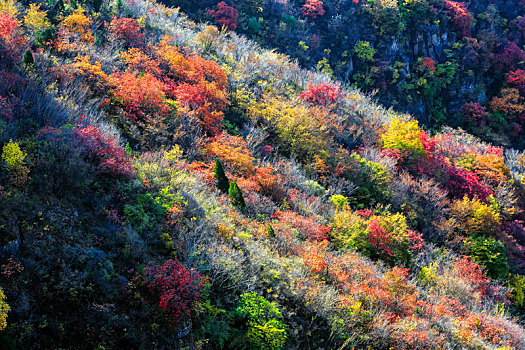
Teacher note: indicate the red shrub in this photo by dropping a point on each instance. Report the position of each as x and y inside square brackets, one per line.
[8, 26]
[101, 149]
[511, 55]
[141, 98]
[179, 288]
[12, 43]
[126, 30]
[322, 94]
[313, 9]
[111, 157]
[475, 113]
[461, 18]
[429, 63]
[378, 237]
[205, 100]
[226, 16]
[308, 227]
[6, 108]
[461, 182]
[469, 271]
[516, 77]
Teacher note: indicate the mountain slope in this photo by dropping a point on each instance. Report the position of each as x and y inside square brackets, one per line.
[344, 224]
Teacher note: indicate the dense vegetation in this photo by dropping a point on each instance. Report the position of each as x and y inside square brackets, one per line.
[445, 62]
[165, 184]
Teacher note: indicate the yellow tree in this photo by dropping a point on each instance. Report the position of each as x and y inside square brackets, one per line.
[36, 20]
[9, 7]
[79, 23]
[4, 309]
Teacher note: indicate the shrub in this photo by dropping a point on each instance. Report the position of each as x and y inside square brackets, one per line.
[79, 23]
[364, 51]
[322, 94]
[372, 181]
[226, 16]
[404, 136]
[126, 30]
[28, 58]
[13, 156]
[266, 330]
[179, 288]
[461, 18]
[475, 113]
[473, 217]
[517, 286]
[489, 253]
[338, 201]
[36, 20]
[429, 63]
[313, 9]
[4, 309]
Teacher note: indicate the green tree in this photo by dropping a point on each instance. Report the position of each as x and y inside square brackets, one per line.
[221, 180]
[269, 231]
[236, 197]
[28, 58]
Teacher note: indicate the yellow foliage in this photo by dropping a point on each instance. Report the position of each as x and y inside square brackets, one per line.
[474, 217]
[9, 7]
[4, 309]
[79, 23]
[36, 20]
[12, 155]
[404, 136]
[299, 129]
[489, 167]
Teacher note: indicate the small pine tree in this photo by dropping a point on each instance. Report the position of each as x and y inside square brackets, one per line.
[221, 181]
[236, 197]
[28, 58]
[269, 231]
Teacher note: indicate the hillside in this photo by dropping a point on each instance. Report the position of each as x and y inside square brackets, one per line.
[445, 62]
[165, 184]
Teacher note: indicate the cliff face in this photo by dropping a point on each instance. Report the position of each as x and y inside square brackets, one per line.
[467, 43]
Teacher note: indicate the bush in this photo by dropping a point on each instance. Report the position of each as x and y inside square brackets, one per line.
[404, 137]
[179, 288]
[4, 309]
[266, 330]
[12, 156]
[489, 253]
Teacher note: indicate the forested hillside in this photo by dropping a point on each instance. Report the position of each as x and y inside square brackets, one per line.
[168, 184]
[445, 62]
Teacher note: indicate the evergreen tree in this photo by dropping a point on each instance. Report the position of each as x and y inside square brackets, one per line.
[221, 181]
[269, 231]
[236, 197]
[28, 58]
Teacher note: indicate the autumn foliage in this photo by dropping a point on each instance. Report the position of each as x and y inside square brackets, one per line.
[226, 16]
[177, 287]
[313, 9]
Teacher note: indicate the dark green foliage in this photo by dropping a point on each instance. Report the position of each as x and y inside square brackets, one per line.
[221, 180]
[236, 197]
[28, 58]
